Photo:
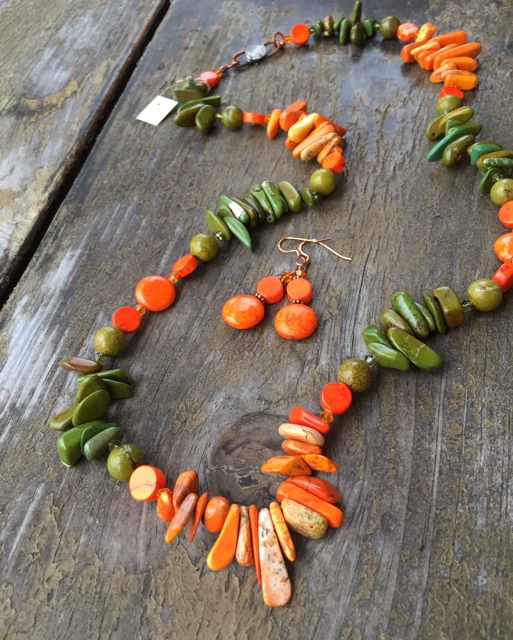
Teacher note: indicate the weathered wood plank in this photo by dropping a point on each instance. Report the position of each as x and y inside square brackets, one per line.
[61, 64]
[424, 459]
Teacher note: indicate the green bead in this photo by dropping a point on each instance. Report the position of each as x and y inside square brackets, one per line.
[118, 390]
[344, 31]
[489, 179]
[388, 27]
[389, 319]
[372, 334]
[426, 314]
[450, 305]
[232, 117]
[91, 408]
[187, 92]
[239, 231]
[485, 295]
[455, 151]
[435, 310]
[434, 129]
[327, 26]
[249, 209]
[307, 196]
[217, 226]
[469, 128]
[88, 385]
[187, 117]
[389, 357]
[123, 460]
[291, 196]
[405, 306]
[63, 420]
[357, 374]
[356, 13]
[316, 29]
[502, 192]
[68, 445]
[204, 247]
[448, 103]
[501, 164]
[110, 341]
[336, 25]
[274, 197]
[357, 34]
[436, 152]
[370, 26]
[416, 351]
[234, 209]
[99, 445]
[323, 181]
[95, 427]
[213, 101]
[463, 113]
[450, 124]
[205, 119]
[121, 375]
[477, 150]
[253, 202]
[258, 193]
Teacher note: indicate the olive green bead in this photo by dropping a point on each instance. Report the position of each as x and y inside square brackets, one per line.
[110, 341]
[405, 306]
[416, 351]
[231, 117]
[323, 181]
[426, 314]
[120, 375]
[123, 460]
[63, 420]
[491, 177]
[372, 334]
[357, 34]
[357, 374]
[388, 27]
[389, 357]
[502, 192]
[99, 445]
[327, 26]
[68, 445]
[389, 319]
[92, 407]
[450, 305]
[436, 311]
[448, 103]
[205, 119]
[307, 197]
[316, 29]
[88, 385]
[485, 295]
[118, 390]
[204, 247]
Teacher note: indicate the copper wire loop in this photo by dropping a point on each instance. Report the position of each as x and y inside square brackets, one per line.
[277, 41]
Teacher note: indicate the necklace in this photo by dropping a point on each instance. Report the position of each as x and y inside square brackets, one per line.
[444, 307]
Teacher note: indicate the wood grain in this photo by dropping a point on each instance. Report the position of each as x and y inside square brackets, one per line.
[424, 459]
[61, 64]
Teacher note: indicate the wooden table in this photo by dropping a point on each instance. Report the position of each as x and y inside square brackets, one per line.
[424, 459]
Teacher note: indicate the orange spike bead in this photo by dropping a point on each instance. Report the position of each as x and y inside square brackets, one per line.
[282, 531]
[426, 32]
[253, 523]
[244, 553]
[182, 516]
[127, 319]
[287, 466]
[225, 547]
[297, 448]
[198, 515]
[332, 513]
[300, 416]
[187, 482]
[320, 488]
[320, 463]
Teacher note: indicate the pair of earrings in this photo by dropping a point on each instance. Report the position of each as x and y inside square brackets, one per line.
[296, 320]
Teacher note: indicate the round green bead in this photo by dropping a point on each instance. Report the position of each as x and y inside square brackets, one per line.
[231, 117]
[502, 192]
[123, 460]
[323, 181]
[485, 295]
[110, 341]
[388, 26]
[203, 247]
[357, 374]
[448, 103]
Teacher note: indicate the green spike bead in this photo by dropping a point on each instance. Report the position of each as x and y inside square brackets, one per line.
[487, 141]
[258, 193]
[62, 421]
[121, 375]
[249, 209]
[95, 427]
[482, 162]
[91, 408]
[463, 113]
[450, 305]
[344, 31]
[448, 103]
[118, 390]
[236, 210]
[434, 130]
[436, 312]
[489, 179]
[327, 26]
[456, 150]
[217, 226]
[436, 152]
[502, 164]
[88, 385]
[187, 91]
[291, 196]
[426, 314]
[502, 192]
[450, 124]
[416, 351]
[187, 117]
[372, 334]
[99, 445]
[356, 374]
[68, 445]
[357, 34]
[389, 357]
[274, 197]
[405, 306]
[389, 319]
[252, 201]
[356, 13]
[239, 231]
[204, 247]
[486, 295]
[388, 27]
[80, 365]
[205, 119]
[479, 149]
[213, 101]
[470, 128]
[370, 26]
[110, 341]
[232, 117]
[336, 24]
[307, 196]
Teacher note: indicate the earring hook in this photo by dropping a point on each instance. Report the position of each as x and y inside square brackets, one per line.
[304, 256]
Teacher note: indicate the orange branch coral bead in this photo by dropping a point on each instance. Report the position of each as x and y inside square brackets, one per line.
[336, 397]
[127, 319]
[155, 293]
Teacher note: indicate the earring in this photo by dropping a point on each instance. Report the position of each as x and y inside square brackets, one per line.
[295, 321]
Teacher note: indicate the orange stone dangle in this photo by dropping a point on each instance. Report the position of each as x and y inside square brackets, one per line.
[245, 311]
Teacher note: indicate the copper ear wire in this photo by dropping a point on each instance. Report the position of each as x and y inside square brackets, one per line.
[303, 259]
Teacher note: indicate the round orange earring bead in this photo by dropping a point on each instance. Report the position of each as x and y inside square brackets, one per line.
[295, 322]
[243, 311]
[299, 289]
[155, 293]
[271, 289]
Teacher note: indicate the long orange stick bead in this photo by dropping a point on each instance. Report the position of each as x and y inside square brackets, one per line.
[276, 587]
[253, 523]
[332, 514]
[187, 482]
[282, 531]
[318, 487]
[198, 514]
[223, 551]
[318, 463]
[244, 554]
[181, 517]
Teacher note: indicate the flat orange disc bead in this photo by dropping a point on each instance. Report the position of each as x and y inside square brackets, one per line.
[271, 288]
[299, 289]
[185, 265]
[506, 214]
[503, 247]
[336, 397]
[295, 322]
[127, 319]
[210, 77]
[243, 311]
[145, 483]
[299, 34]
[155, 293]
[253, 118]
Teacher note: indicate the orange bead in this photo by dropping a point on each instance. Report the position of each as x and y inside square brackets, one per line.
[215, 514]
[210, 77]
[295, 322]
[504, 277]
[298, 415]
[299, 34]
[290, 144]
[320, 488]
[156, 293]
[145, 483]
[320, 463]
[127, 319]
[334, 161]
[287, 466]
[297, 448]
[271, 288]
[253, 118]
[451, 90]
[336, 397]
[289, 118]
[273, 125]
[253, 523]
[165, 508]
[243, 311]
[407, 31]
[185, 265]
[506, 214]
[299, 289]
[503, 247]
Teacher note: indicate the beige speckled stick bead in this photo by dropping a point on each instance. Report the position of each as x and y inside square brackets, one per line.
[276, 587]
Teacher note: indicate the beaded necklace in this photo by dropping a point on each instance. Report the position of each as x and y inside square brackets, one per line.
[308, 504]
